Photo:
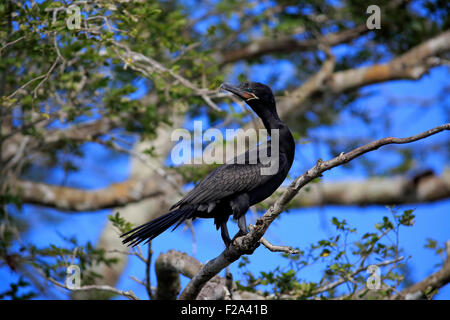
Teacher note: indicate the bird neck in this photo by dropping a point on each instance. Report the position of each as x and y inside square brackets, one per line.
[286, 141]
[270, 120]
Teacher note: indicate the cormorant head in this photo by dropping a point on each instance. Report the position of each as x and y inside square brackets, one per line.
[257, 95]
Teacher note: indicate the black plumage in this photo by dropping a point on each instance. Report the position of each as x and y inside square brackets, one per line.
[232, 188]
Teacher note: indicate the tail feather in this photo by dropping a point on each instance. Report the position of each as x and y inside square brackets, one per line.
[154, 228]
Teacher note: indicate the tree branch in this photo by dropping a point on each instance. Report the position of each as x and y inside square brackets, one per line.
[411, 65]
[313, 84]
[428, 287]
[247, 244]
[373, 191]
[276, 248]
[168, 266]
[147, 66]
[342, 280]
[84, 131]
[171, 264]
[289, 45]
[73, 199]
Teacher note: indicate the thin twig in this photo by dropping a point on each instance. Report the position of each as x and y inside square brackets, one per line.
[25, 85]
[46, 76]
[276, 248]
[148, 261]
[11, 43]
[341, 280]
[149, 66]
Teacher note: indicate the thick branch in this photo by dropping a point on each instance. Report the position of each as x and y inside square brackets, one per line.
[374, 191]
[246, 244]
[312, 85]
[73, 199]
[429, 286]
[85, 131]
[411, 65]
[288, 45]
[170, 265]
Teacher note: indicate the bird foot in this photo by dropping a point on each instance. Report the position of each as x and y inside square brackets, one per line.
[227, 242]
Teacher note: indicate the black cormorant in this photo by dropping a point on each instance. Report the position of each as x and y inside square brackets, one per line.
[232, 187]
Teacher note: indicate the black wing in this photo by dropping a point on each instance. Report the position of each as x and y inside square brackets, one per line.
[227, 180]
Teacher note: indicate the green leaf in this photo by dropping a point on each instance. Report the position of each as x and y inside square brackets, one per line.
[120, 223]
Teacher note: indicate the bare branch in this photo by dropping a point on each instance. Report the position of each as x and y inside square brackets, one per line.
[171, 264]
[168, 266]
[426, 288]
[313, 84]
[275, 248]
[11, 43]
[148, 286]
[73, 199]
[46, 76]
[170, 178]
[373, 191]
[147, 66]
[85, 131]
[341, 280]
[411, 65]
[288, 45]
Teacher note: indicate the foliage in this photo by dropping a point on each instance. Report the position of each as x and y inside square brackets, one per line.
[14, 293]
[346, 255]
[120, 223]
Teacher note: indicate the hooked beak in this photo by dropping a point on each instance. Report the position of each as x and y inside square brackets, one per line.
[241, 93]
